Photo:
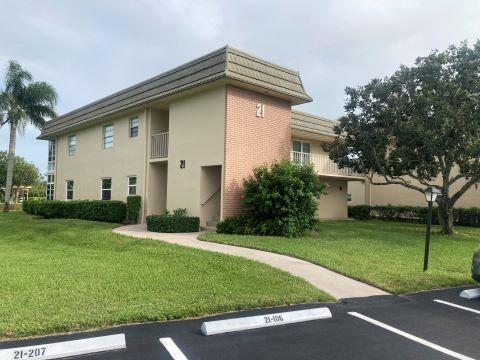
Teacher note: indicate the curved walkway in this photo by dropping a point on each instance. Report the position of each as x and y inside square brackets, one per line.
[336, 285]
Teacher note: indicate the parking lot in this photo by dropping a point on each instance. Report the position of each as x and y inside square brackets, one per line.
[409, 327]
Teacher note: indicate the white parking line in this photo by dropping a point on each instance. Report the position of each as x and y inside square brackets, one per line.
[457, 306]
[173, 349]
[411, 337]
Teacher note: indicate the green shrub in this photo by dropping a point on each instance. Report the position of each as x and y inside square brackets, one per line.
[359, 212]
[134, 203]
[175, 222]
[238, 224]
[278, 200]
[413, 214]
[95, 210]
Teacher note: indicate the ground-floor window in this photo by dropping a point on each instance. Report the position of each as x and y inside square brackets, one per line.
[69, 190]
[132, 185]
[106, 188]
[50, 187]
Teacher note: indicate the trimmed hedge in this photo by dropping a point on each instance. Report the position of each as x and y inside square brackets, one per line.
[95, 210]
[134, 203]
[175, 222]
[413, 214]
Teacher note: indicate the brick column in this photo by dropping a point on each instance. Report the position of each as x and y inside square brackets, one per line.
[251, 141]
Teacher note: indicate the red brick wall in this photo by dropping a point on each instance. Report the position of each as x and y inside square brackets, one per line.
[251, 141]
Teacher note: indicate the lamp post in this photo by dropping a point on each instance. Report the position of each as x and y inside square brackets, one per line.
[431, 194]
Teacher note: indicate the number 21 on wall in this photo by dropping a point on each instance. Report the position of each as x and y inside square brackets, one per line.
[260, 110]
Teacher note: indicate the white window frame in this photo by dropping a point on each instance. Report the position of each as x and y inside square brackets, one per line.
[301, 156]
[130, 122]
[104, 189]
[72, 146]
[108, 144]
[66, 189]
[52, 148]
[50, 188]
[130, 186]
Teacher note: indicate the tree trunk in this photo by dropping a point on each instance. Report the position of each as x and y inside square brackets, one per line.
[445, 217]
[11, 163]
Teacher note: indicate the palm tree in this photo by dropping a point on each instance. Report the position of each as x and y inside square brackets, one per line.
[23, 101]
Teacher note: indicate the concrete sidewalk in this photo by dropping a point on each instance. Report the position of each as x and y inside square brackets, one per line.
[336, 285]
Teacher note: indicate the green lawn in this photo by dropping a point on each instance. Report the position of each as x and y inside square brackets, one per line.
[64, 275]
[385, 254]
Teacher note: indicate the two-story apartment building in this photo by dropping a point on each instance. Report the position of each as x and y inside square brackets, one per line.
[188, 137]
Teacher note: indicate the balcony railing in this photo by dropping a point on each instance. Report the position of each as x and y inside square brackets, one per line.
[322, 164]
[159, 146]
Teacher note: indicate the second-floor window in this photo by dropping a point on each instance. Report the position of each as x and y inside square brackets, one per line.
[72, 145]
[69, 190]
[106, 188]
[108, 136]
[301, 152]
[51, 155]
[134, 127]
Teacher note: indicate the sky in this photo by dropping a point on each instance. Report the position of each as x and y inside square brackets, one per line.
[89, 49]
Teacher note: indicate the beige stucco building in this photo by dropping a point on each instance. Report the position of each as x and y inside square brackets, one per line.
[366, 193]
[188, 137]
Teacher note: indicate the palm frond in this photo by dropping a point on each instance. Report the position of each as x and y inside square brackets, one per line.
[40, 92]
[16, 77]
[26, 101]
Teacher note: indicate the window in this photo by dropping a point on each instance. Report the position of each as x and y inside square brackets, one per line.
[132, 185]
[301, 152]
[106, 188]
[134, 127]
[69, 189]
[72, 144]
[50, 187]
[108, 136]
[51, 155]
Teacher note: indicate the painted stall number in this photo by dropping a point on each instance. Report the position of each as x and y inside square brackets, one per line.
[182, 164]
[260, 110]
[273, 319]
[30, 353]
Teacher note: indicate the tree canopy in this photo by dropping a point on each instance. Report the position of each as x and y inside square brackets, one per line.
[418, 127]
[24, 174]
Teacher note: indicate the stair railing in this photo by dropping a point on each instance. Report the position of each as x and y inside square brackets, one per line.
[211, 196]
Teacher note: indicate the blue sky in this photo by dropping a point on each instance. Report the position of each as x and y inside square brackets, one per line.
[88, 49]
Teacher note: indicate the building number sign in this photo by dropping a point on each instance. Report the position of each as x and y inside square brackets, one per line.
[260, 110]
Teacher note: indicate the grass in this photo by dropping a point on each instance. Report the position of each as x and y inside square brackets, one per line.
[67, 275]
[384, 254]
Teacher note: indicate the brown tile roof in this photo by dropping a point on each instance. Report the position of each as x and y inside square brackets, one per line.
[227, 63]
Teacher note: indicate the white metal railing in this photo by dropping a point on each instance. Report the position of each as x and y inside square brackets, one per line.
[322, 164]
[159, 146]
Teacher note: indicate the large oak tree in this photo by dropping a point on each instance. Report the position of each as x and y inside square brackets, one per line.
[418, 127]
